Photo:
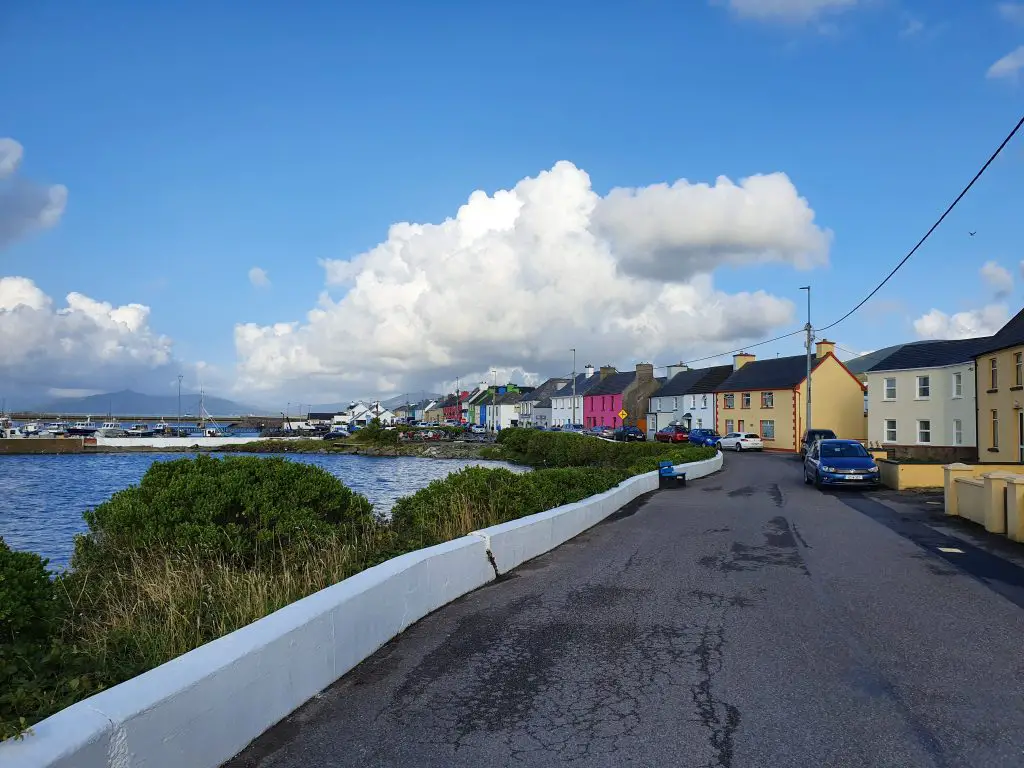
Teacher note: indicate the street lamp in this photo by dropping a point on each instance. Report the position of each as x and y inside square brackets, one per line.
[574, 387]
[179, 403]
[810, 338]
[494, 399]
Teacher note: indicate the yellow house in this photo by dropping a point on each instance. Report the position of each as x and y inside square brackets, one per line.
[999, 382]
[767, 397]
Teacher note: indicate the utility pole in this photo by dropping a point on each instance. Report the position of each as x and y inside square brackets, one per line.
[810, 340]
[494, 400]
[458, 397]
[179, 404]
[574, 387]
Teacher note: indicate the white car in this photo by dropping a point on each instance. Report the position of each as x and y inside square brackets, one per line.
[476, 429]
[740, 441]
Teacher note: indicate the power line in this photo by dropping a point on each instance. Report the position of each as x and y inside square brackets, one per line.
[933, 227]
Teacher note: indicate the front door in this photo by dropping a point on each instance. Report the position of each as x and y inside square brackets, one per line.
[739, 426]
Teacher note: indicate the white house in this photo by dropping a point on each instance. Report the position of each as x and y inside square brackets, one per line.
[922, 400]
[562, 400]
[360, 414]
[687, 398]
[529, 413]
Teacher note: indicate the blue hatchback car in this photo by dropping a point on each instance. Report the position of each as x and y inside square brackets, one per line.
[708, 437]
[840, 462]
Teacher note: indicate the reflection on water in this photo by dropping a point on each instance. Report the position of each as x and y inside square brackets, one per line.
[42, 498]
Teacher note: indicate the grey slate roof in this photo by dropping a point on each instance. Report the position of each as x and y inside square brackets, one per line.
[1010, 335]
[864, 363]
[771, 373]
[615, 384]
[931, 354]
[584, 384]
[545, 403]
[546, 389]
[695, 381]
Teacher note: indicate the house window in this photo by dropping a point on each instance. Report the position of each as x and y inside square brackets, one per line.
[767, 399]
[924, 387]
[958, 384]
[700, 423]
[890, 389]
[1018, 368]
[958, 432]
[924, 431]
[728, 426]
[995, 428]
[745, 400]
[693, 401]
[767, 429]
[675, 403]
[993, 372]
[730, 402]
[890, 431]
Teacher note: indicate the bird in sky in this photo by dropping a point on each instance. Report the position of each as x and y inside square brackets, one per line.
[972, 234]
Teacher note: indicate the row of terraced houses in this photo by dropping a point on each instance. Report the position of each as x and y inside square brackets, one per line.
[940, 400]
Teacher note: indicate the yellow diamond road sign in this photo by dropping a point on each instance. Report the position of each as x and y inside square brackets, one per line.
[623, 414]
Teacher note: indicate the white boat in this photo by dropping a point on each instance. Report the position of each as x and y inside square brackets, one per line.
[57, 429]
[140, 430]
[8, 430]
[115, 424]
[83, 428]
[32, 429]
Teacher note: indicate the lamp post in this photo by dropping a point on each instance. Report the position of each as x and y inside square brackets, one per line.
[810, 338]
[494, 399]
[179, 403]
[574, 387]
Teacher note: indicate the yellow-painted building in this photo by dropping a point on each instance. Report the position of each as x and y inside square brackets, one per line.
[767, 397]
[999, 382]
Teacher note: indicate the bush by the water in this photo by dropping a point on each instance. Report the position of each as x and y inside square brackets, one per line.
[204, 546]
[565, 449]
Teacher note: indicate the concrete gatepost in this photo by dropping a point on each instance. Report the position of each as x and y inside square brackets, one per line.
[1015, 507]
[951, 472]
[995, 501]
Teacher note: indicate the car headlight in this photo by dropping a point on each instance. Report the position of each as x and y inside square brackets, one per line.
[873, 468]
[828, 469]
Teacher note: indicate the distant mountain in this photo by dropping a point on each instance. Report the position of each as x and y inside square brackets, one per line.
[129, 403]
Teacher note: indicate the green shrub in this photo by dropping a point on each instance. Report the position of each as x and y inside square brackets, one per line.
[565, 449]
[233, 506]
[374, 434]
[27, 600]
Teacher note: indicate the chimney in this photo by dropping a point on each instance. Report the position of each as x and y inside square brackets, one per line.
[738, 361]
[644, 373]
[607, 370]
[679, 367]
[823, 347]
[590, 370]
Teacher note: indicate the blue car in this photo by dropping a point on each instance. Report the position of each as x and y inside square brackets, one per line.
[840, 462]
[707, 437]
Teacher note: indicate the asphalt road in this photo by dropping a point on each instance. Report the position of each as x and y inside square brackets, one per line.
[747, 620]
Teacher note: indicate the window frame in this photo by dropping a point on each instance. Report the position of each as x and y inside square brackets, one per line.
[994, 425]
[745, 400]
[885, 389]
[958, 432]
[765, 429]
[885, 431]
[993, 372]
[921, 430]
[923, 381]
[1018, 367]
[729, 401]
[729, 424]
[768, 400]
[958, 385]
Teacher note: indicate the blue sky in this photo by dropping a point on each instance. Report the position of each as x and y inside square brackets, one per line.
[200, 141]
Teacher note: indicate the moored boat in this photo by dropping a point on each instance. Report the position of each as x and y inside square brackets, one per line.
[83, 428]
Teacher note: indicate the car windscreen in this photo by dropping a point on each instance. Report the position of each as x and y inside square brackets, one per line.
[752, 436]
[842, 451]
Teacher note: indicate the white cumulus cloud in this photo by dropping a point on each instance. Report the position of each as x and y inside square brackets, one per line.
[997, 277]
[25, 205]
[1009, 66]
[259, 277]
[517, 278]
[789, 11]
[86, 344]
[962, 325]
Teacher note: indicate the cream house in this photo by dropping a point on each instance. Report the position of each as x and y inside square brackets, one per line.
[922, 401]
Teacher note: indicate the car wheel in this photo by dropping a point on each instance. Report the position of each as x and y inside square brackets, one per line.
[718, 446]
[807, 478]
[738, 447]
[817, 481]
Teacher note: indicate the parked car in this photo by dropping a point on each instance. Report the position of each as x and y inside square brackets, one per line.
[707, 437]
[840, 462]
[629, 435]
[596, 430]
[740, 441]
[336, 434]
[477, 429]
[608, 433]
[675, 433]
[811, 436]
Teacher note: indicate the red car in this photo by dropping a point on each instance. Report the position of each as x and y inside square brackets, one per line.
[677, 433]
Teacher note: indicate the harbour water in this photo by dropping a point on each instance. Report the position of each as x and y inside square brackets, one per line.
[42, 498]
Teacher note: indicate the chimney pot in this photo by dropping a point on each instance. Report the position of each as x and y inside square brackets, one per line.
[823, 347]
[741, 359]
[589, 370]
[607, 370]
[644, 372]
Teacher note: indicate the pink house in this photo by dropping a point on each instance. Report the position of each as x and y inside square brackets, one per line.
[602, 403]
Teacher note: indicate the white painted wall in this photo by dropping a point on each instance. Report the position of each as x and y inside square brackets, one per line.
[940, 408]
[181, 442]
[561, 410]
[204, 707]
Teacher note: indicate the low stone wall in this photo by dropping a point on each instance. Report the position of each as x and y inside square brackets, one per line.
[179, 442]
[204, 707]
[900, 477]
[37, 445]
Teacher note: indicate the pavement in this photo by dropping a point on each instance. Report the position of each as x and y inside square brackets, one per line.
[746, 620]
